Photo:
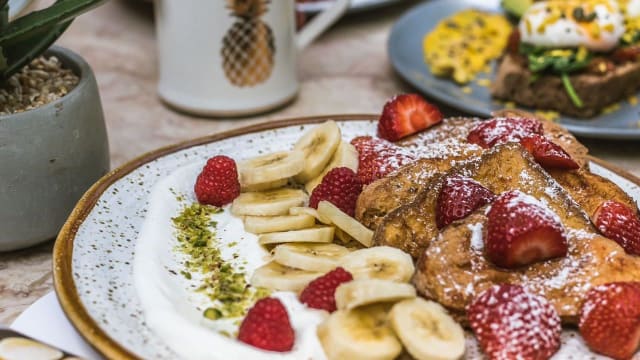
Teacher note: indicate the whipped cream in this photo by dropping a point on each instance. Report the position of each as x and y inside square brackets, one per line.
[172, 308]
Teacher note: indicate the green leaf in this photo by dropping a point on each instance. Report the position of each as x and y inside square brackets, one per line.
[571, 91]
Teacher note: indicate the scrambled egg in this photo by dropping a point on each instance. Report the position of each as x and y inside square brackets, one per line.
[461, 45]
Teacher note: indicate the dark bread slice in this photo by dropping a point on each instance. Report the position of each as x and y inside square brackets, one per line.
[513, 83]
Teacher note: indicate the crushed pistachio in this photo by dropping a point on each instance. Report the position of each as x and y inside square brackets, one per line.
[225, 286]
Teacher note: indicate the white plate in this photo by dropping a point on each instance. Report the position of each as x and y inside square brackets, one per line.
[94, 281]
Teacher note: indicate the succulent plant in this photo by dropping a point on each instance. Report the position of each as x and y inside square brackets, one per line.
[28, 36]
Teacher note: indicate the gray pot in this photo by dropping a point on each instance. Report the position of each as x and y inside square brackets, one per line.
[49, 157]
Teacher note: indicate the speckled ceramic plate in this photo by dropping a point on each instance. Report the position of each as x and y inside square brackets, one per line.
[356, 5]
[94, 253]
[405, 52]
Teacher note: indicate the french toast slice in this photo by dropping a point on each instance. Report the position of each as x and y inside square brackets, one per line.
[441, 148]
[452, 268]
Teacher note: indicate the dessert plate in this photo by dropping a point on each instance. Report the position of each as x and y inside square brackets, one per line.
[97, 249]
[406, 55]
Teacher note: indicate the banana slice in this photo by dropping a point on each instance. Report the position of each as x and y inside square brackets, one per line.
[297, 210]
[311, 257]
[264, 186]
[268, 203]
[345, 222]
[268, 224]
[380, 262]
[318, 146]
[356, 293]
[21, 348]
[346, 155]
[272, 167]
[427, 331]
[274, 276]
[319, 234]
[359, 334]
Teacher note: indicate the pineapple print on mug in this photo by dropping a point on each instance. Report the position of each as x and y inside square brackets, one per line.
[248, 47]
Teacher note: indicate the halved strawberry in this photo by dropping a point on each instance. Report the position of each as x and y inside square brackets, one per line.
[620, 224]
[405, 115]
[378, 157]
[511, 323]
[458, 198]
[501, 130]
[610, 319]
[548, 154]
[522, 231]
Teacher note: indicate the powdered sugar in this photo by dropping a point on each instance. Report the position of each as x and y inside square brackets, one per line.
[477, 242]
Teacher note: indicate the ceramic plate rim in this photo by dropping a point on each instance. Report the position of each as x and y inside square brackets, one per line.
[64, 284]
[394, 36]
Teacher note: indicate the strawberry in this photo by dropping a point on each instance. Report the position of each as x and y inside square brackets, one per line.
[320, 293]
[511, 323]
[521, 231]
[267, 326]
[548, 154]
[377, 158]
[501, 130]
[610, 319]
[341, 187]
[218, 183]
[620, 224]
[406, 115]
[458, 198]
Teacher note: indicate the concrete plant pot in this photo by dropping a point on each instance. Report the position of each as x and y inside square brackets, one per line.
[49, 157]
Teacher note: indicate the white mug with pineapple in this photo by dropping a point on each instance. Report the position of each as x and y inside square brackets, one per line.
[232, 57]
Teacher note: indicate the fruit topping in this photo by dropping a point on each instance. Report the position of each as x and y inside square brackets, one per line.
[274, 276]
[269, 224]
[361, 333]
[458, 198]
[521, 230]
[268, 169]
[309, 256]
[340, 187]
[378, 157]
[511, 323]
[501, 130]
[620, 224]
[406, 115]
[267, 326]
[357, 293]
[320, 293]
[317, 146]
[548, 154]
[610, 319]
[218, 183]
[426, 330]
[329, 212]
[346, 155]
[379, 262]
[268, 203]
[318, 234]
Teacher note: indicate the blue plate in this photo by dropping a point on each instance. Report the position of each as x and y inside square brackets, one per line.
[405, 52]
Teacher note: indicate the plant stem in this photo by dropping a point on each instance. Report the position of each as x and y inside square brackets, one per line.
[4, 14]
[571, 91]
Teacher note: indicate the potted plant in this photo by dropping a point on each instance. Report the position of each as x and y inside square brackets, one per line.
[53, 141]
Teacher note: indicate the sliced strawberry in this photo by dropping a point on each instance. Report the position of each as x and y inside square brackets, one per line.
[511, 323]
[620, 224]
[377, 158]
[610, 319]
[521, 231]
[501, 130]
[513, 44]
[458, 198]
[548, 154]
[406, 115]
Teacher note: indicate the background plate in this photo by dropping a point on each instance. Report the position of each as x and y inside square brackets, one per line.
[356, 5]
[405, 52]
[93, 255]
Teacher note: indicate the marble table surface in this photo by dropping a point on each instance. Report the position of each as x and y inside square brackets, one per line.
[345, 71]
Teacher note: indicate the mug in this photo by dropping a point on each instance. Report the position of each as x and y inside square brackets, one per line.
[232, 57]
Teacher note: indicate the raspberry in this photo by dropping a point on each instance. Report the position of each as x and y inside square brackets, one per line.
[340, 187]
[267, 326]
[218, 183]
[320, 293]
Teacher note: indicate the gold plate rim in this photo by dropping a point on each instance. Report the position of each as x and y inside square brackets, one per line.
[63, 250]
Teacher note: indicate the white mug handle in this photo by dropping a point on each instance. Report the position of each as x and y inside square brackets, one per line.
[320, 23]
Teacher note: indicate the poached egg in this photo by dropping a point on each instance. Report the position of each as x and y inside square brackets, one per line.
[597, 25]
